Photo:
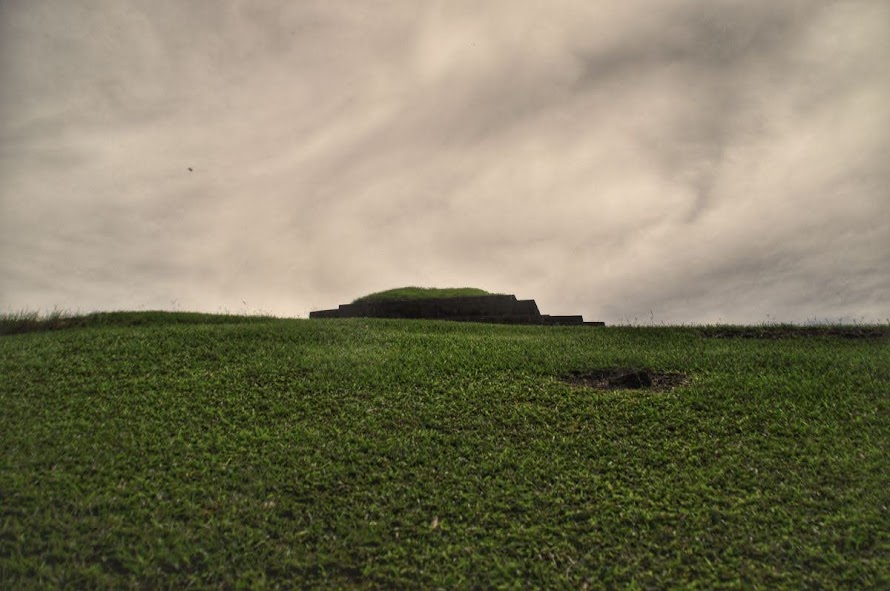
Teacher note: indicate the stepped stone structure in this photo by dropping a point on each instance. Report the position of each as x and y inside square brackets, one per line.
[499, 309]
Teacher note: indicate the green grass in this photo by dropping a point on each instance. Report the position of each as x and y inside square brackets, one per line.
[173, 451]
[419, 293]
[23, 322]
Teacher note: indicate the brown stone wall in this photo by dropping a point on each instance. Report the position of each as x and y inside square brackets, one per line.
[505, 309]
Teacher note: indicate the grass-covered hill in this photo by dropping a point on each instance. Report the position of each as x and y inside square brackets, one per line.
[418, 293]
[186, 451]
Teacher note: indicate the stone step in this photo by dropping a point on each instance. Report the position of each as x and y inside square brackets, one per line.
[564, 320]
[505, 309]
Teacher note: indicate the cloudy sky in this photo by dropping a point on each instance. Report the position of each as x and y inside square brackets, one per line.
[642, 160]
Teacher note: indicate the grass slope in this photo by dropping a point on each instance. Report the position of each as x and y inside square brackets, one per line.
[419, 293]
[233, 452]
[24, 322]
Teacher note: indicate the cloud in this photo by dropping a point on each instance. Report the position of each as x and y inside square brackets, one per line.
[702, 160]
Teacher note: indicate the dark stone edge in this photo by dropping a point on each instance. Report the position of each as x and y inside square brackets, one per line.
[495, 309]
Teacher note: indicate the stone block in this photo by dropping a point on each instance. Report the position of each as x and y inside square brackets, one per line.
[502, 309]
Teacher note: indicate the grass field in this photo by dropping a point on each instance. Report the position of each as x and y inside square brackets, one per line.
[161, 450]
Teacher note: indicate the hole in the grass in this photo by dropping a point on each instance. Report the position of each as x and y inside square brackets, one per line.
[626, 378]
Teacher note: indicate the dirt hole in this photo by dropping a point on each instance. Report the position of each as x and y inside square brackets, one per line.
[626, 378]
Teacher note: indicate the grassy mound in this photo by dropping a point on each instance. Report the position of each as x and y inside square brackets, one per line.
[24, 322]
[422, 293]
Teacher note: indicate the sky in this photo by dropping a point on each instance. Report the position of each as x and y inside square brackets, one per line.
[641, 161]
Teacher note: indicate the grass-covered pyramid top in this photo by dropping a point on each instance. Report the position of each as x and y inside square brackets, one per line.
[421, 293]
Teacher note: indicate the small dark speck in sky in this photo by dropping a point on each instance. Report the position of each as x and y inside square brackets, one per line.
[190, 168]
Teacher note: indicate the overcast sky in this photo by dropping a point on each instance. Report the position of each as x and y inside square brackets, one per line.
[634, 160]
